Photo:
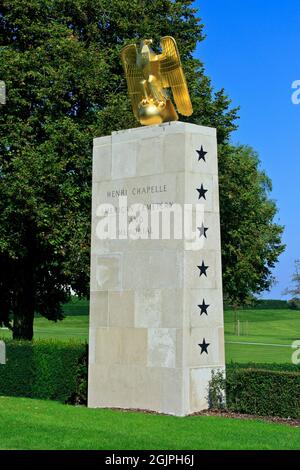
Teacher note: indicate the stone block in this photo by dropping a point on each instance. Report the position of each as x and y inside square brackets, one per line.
[121, 308]
[102, 162]
[148, 308]
[174, 155]
[201, 154]
[155, 270]
[215, 350]
[202, 270]
[98, 309]
[109, 345]
[200, 189]
[204, 308]
[124, 157]
[150, 157]
[172, 392]
[162, 347]
[106, 272]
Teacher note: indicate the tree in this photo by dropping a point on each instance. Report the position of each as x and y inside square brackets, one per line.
[295, 289]
[65, 85]
[251, 240]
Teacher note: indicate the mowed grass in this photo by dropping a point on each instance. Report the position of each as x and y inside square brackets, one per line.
[273, 330]
[74, 326]
[37, 424]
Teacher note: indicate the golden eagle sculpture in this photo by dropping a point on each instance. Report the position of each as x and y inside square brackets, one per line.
[149, 75]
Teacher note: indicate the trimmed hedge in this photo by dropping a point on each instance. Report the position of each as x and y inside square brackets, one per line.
[263, 392]
[41, 369]
[288, 367]
[58, 371]
[261, 389]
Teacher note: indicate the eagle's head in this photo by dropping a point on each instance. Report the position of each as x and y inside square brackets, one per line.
[146, 42]
[145, 46]
[146, 53]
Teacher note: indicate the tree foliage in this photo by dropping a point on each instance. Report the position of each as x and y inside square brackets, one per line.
[251, 240]
[65, 85]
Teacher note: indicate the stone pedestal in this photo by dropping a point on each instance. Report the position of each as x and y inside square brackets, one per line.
[156, 309]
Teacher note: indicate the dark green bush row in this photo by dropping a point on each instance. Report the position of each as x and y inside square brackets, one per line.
[263, 392]
[58, 371]
[294, 304]
[43, 369]
[75, 307]
[288, 367]
[266, 304]
[263, 304]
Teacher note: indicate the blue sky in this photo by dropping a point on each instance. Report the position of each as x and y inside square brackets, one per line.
[252, 49]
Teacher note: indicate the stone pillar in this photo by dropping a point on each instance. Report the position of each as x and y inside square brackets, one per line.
[156, 308]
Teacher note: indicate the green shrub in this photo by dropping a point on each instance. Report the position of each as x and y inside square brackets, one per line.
[41, 369]
[263, 392]
[216, 390]
[294, 304]
[79, 397]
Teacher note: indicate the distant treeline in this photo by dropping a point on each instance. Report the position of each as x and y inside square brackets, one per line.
[263, 304]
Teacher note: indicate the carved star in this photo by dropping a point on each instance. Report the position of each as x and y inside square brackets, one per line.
[204, 346]
[203, 307]
[203, 269]
[201, 154]
[202, 230]
[202, 192]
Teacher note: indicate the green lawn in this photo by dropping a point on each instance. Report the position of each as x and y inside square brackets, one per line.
[74, 326]
[264, 327]
[37, 424]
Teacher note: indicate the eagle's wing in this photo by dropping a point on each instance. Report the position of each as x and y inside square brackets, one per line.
[172, 75]
[134, 76]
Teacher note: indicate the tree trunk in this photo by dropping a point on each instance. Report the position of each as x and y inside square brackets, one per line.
[24, 301]
[23, 313]
[23, 324]
[4, 312]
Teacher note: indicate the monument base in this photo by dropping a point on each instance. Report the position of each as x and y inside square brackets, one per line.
[156, 308]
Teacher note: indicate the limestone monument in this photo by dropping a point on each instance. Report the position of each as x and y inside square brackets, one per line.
[156, 308]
